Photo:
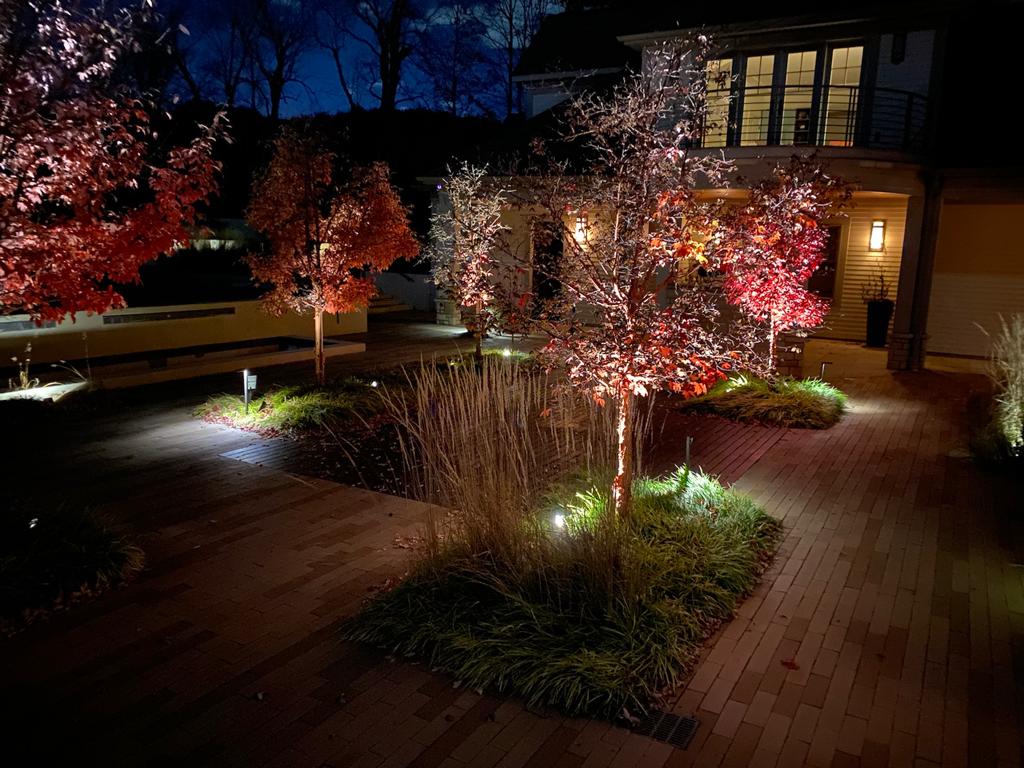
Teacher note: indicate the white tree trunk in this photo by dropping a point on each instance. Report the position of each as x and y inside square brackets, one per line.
[318, 347]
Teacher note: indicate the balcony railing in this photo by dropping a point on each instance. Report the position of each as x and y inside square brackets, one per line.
[822, 115]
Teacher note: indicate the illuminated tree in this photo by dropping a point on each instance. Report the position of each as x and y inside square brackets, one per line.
[327, 236]
[776, 242]
[635, 312]
[466, 247]
[646, 257]
[85, 196]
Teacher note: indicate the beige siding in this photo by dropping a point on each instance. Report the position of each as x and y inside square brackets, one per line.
[979, 275]
[857, 264]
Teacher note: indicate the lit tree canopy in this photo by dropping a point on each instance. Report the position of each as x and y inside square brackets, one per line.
[466, 246]
[86, 198]
[776, 243]
[634, 313]
[327, 237]
[646, 258]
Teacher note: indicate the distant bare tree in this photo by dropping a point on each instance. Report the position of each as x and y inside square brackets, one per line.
[278, 34]
[207, 46]
[390, 37]
[453, 54]
[511, 25]
[333, 32]
[182, 48]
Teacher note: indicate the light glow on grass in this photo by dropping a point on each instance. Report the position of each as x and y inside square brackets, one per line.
[784, 402]
[52, 391]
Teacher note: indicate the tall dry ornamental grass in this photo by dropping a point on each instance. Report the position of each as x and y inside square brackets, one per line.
[488, 442]
[1007, 372]
[530, 585]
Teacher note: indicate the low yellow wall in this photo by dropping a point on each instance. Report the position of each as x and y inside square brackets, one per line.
[90, 336]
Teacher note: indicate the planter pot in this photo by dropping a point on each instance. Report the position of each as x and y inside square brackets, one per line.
[879, 315]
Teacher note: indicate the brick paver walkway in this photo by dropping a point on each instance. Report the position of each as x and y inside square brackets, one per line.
[889, 631]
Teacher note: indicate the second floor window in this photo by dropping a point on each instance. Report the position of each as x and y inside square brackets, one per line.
[792, 98]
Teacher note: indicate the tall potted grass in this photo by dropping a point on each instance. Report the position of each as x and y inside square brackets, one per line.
[875, 293]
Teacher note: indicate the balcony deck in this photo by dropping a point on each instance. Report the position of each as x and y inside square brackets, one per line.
[834, 117]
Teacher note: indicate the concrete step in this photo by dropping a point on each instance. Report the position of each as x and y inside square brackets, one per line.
[383, 304]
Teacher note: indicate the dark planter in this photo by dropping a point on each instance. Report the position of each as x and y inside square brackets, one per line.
[879, 315]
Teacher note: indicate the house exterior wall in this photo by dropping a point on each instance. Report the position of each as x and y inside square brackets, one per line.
[913, 73]
[541, 99]
[848, 318]
[96, 336]
[979, 275]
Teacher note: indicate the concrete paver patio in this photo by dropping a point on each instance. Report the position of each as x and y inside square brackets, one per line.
[890, 630]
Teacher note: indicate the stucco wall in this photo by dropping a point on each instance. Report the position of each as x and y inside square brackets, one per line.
[103, 335]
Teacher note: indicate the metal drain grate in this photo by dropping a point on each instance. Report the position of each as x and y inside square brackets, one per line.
[666, 727]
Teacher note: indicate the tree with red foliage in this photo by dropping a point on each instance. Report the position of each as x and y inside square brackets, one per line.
[635, 311]
[85, 198]
[327, 237]
[776, 242]
[648, 255]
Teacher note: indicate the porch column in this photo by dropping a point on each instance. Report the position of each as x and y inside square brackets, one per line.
[917, 260]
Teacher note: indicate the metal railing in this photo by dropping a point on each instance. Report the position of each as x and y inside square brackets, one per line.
[821, 115]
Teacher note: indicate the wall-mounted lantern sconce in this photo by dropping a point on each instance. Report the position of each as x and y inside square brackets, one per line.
[580, 231]
[877, 240]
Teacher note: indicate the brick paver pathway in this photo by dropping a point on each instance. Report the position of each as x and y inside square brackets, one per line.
[889, 631]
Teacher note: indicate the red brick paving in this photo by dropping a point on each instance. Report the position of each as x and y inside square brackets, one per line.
[897, 603]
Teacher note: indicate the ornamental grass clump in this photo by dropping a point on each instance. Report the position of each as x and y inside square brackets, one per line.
[785, 402]
[54, 555]
[1002, 440]
[530, 586]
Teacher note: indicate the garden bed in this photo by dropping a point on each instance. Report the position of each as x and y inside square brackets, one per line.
[798, 403]
[55, 556]
[295, 410]
[529, 585]
[589, 618]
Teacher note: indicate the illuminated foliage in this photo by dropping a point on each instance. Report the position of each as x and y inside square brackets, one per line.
[465, 245]
[86, 198]
[775, 243]
[647, 259]
[327, 236]
[635, 311]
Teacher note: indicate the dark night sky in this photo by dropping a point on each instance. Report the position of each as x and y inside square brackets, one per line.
[317, 88]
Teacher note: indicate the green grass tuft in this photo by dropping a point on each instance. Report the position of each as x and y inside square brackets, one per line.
[593, 617]
[53, 555]
[299, 408]
[801, 403]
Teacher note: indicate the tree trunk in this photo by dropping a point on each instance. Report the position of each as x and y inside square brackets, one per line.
[510, 63]
[771, 347]
[318, 347]
[478, 333]
[336, 54]
[622, 487]
[276, 89]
